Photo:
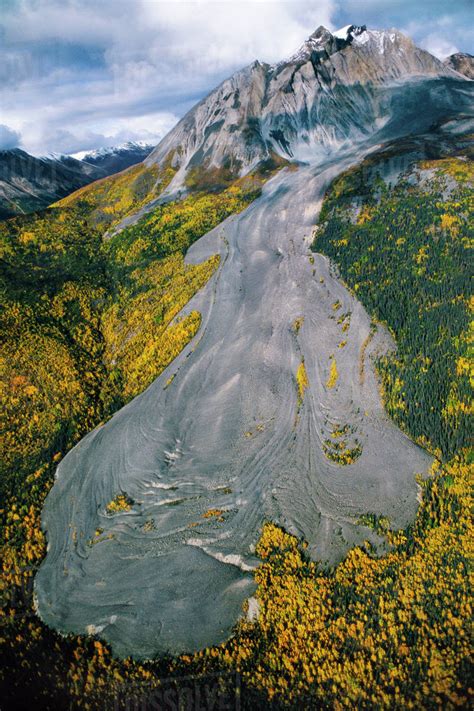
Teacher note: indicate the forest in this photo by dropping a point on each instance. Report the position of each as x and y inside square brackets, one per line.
[88, 323]
[405, 253]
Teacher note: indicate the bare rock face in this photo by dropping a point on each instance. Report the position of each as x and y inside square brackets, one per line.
[337, 87]
[462, 63]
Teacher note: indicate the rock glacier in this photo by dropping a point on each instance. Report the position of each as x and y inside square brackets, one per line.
[224, 428]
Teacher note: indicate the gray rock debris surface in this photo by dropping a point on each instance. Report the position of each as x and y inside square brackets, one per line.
[227, 444]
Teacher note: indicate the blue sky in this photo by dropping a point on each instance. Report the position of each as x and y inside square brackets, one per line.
[81, 74]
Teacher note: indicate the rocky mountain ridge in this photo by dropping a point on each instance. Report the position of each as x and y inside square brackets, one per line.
[112, 159]
[337, 88]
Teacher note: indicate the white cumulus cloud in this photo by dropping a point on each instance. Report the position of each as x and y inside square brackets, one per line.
[8, 137]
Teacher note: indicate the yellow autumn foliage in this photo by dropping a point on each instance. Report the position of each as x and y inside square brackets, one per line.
[333, 374]
[302, 380]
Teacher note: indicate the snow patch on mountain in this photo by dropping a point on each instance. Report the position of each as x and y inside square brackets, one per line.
[112, 150]
[343, 32]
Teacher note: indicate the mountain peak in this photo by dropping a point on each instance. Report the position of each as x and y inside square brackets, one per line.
[321, 33]
[110, 150]
[322, 42]
[299, 108]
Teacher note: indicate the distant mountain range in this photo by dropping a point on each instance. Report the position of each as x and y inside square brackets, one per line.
[112, 160]
[28, 183]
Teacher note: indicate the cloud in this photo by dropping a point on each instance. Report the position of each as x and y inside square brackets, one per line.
[90, 72]
[438, 45]
[77, 138]
[8, 138]
[443, 35]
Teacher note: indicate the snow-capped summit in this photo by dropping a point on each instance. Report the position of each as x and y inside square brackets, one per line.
[361, 35]
[113, 159]
[317, 42]
[349, 31]
[54, 156]
[114, 150]
[31, 183]
[322, 43]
